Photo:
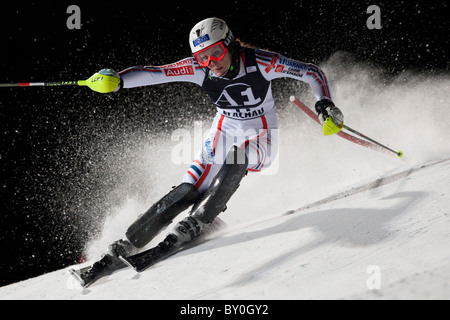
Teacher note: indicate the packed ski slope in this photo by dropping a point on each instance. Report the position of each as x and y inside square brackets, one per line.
[333, 221]
[384, 240]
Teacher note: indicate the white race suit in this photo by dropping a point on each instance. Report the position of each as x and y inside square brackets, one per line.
[245, 105]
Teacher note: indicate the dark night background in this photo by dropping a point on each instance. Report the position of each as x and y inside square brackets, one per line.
[54, 140]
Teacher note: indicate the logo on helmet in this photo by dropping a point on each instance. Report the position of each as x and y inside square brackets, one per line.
[200, 40]
[228, 39]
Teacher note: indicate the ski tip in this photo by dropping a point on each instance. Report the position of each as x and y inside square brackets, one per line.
[292, 98]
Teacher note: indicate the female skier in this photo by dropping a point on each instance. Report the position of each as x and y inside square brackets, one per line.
[243, 133]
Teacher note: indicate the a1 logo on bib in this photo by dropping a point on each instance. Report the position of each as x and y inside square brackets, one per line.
[237, 95]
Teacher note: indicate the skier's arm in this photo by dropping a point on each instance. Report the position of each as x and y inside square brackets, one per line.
[186, 70]
[274, 65]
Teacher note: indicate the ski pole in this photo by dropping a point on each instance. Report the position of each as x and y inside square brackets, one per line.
[105, 81]
[399, 154]
[43, 84]
[367, 142]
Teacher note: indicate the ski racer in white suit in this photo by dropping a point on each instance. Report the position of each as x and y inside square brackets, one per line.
[243, 134]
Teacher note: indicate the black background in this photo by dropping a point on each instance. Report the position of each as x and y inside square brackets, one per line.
[53, 139]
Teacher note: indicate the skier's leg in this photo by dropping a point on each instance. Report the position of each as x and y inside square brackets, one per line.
[262, 147]
[214, 200]
[160, 215]
[210, 157]
[260, 151]
[194, 183]
[142, 232]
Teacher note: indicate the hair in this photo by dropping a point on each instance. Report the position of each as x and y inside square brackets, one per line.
[244, 44]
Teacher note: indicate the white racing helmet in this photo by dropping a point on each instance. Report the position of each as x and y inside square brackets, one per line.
[208, 32]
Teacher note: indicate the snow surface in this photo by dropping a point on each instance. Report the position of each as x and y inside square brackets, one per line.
[336, 221]
[331, 250]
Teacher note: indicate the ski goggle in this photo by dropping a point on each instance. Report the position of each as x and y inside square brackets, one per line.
[214, 52]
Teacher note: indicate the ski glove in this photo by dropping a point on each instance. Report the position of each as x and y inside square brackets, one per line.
[105, 81]
[330, 116]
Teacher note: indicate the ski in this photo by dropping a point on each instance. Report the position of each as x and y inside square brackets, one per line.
[101, 268]
[170, 246]
[109, 264]
[143, 260]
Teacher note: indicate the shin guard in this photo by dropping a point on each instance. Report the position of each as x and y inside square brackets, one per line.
[161, 214]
